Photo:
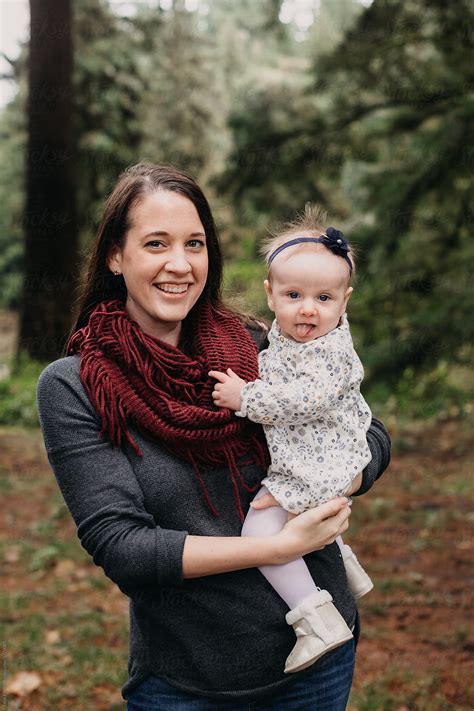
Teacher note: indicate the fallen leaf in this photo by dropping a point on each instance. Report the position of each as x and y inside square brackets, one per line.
[78, 587]
[69, 690]
[52, 636]
[64, 568]
[81, 573]
[23, 683]
[12, 554]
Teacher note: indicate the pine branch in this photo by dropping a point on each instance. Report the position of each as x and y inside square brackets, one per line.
[11, 62]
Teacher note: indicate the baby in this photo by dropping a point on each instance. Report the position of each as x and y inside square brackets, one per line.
[314, 416]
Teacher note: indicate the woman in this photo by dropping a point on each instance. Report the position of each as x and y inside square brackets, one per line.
[158, 480]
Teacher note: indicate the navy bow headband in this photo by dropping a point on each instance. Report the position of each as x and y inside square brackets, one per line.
[333, 240]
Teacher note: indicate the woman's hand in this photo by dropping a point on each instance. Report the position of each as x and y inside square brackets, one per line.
[309, 531]
[312, 530]
[227, 390]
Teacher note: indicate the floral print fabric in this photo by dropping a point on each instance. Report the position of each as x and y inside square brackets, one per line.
[315, 419]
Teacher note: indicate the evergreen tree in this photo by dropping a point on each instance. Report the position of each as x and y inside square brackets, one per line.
[110, 78]
[383, 135]
[180, 107]
[50, 259]
[13, 136]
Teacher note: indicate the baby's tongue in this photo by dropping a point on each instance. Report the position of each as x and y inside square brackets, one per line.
[302, 329]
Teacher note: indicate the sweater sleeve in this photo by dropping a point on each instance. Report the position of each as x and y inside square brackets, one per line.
[379, 443]
[100, 488]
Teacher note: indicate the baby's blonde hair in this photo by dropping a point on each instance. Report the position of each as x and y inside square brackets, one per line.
[312, 220]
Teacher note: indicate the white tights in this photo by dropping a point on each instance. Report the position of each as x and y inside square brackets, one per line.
[292, 581]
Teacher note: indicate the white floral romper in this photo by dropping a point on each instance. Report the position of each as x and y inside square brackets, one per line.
[314, 416]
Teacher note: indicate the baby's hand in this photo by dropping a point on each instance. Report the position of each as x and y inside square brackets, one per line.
[227, 391]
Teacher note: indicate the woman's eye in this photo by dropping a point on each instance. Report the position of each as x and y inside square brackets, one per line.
[193, 243]
[293, 294]
[154, 243]
[324, 297]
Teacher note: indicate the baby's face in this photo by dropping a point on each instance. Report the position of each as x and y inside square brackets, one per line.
[308, 291]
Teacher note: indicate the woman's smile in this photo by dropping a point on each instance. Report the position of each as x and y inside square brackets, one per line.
[176, 289]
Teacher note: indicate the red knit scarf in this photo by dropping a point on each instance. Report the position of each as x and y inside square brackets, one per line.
[166, 393]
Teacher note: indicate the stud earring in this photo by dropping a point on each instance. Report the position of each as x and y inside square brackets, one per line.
[116, 273]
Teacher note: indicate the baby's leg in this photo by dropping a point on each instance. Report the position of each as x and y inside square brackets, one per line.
[292, 581]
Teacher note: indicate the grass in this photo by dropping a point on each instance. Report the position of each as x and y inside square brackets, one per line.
[401, 690]
[18, 393]
[61, 617]
[64, 620]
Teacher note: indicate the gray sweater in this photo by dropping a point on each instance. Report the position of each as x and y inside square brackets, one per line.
[222, 636]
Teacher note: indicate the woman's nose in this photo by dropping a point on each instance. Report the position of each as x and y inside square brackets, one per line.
[178, 262]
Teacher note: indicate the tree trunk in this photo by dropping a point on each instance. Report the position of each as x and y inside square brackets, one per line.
[51, 239]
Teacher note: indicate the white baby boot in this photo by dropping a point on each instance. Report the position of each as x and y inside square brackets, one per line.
[318, 626]
[359, 582]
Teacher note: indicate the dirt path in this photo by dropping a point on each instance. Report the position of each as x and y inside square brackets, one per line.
[66, 624]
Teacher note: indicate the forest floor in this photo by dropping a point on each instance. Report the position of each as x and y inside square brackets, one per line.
[66, 638]
[65, 625]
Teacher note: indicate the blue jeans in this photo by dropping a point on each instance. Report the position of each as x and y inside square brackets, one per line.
[325, 688]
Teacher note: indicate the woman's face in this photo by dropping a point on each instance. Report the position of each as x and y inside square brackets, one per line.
[164, 263]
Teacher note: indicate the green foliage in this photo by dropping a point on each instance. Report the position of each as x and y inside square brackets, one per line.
[108, 87]
[243, 287]
[13, 137]
[18, 393]
[441, 392]
[368, 113]
[180, 106]
[381, 137]
[397, 689]
[403, 96]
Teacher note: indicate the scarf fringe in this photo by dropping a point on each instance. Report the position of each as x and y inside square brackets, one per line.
[130, 376]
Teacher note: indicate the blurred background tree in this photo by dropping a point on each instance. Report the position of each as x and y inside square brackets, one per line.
[382, 137]
[109, 80]
[49, 219]
[365, 108]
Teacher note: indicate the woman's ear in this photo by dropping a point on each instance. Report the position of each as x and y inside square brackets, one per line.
[269, 292]
[114, 260]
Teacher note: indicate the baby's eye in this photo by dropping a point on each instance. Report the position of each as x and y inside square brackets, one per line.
[293, 294]
[323, 297]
